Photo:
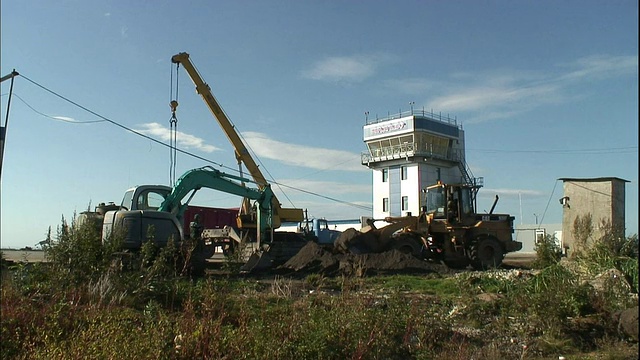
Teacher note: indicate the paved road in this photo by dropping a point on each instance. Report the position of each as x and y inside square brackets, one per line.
[39, 256]
[23, 255]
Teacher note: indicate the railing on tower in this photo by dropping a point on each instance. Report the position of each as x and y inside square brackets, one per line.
[415, 112]
[468, 178]
[467, 175]
[410, 149]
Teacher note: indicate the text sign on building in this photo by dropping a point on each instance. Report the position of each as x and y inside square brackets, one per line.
[386, 128]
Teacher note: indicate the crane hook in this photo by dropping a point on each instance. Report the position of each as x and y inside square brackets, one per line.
[174, 105]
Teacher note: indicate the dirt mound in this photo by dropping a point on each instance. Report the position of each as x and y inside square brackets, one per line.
[314, 258]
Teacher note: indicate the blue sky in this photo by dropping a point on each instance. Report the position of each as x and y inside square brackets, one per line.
[543, 89]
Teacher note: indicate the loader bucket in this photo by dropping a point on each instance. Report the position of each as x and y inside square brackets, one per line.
[258, 261]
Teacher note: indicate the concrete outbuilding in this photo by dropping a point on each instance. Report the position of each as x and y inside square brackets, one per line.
[603, 198]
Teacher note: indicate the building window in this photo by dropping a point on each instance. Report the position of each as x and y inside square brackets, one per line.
[404, 172]
[385, 175]
[405, 203]
[385, 204]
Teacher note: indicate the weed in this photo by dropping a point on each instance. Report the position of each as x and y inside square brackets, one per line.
[281, 287]
[547, 252]
[315, 280]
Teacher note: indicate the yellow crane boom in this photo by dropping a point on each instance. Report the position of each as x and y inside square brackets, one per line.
[241, 152]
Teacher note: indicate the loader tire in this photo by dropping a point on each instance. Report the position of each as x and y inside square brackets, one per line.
[408, 245]
[486, 253]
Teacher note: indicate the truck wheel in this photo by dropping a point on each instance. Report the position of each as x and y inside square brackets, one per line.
[486, 254]
[228, 249]
[408, 245]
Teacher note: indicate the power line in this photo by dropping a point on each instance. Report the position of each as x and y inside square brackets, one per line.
[57, 118]
[105, 119]
[120, 125]
[615, 150]
[548, 201]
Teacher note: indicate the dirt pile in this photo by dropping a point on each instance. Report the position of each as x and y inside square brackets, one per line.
[313, 258]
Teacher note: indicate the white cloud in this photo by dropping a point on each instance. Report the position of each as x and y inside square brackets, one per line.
[497, 102]
[289, 154]
[601, 66]
[184, 140]
[301, 155]
[328, 199]
[497, 95]
[511, 192]
[336, 211]
[342, 68]
[123, 31]
[329, 188]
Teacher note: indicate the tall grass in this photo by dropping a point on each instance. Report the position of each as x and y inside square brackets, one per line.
[86, 305]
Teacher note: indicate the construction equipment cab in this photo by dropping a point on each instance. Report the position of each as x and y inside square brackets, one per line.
[319, 230]
[452, 202]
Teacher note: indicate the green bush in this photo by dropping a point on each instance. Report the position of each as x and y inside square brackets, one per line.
[77, 255]
[612, 250]
[548, 252]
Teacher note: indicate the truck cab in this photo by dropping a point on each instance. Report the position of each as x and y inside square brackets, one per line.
[320, 229]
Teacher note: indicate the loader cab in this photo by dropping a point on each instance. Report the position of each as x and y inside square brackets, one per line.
[465, 196]
[451, 202]
[435, 200]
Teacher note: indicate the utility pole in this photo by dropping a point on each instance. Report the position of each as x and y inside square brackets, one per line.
[3, 129]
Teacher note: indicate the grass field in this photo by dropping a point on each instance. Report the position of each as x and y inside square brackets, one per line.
[82, 304]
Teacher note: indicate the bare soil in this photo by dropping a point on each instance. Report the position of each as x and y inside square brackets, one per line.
[313, 258]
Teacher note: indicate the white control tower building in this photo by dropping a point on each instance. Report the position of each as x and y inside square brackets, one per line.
[410, 151]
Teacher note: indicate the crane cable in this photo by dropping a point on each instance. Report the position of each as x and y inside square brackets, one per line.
[173, 124]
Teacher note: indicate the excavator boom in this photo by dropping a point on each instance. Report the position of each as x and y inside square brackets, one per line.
[241, 151]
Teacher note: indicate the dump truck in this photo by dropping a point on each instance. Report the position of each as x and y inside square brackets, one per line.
[448, 229]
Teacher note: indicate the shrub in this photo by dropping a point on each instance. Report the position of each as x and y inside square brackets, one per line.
[548, 252]
[612, 250]
[77, 255]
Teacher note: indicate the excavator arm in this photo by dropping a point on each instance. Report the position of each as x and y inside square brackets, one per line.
[241, 151]
[208, 177]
